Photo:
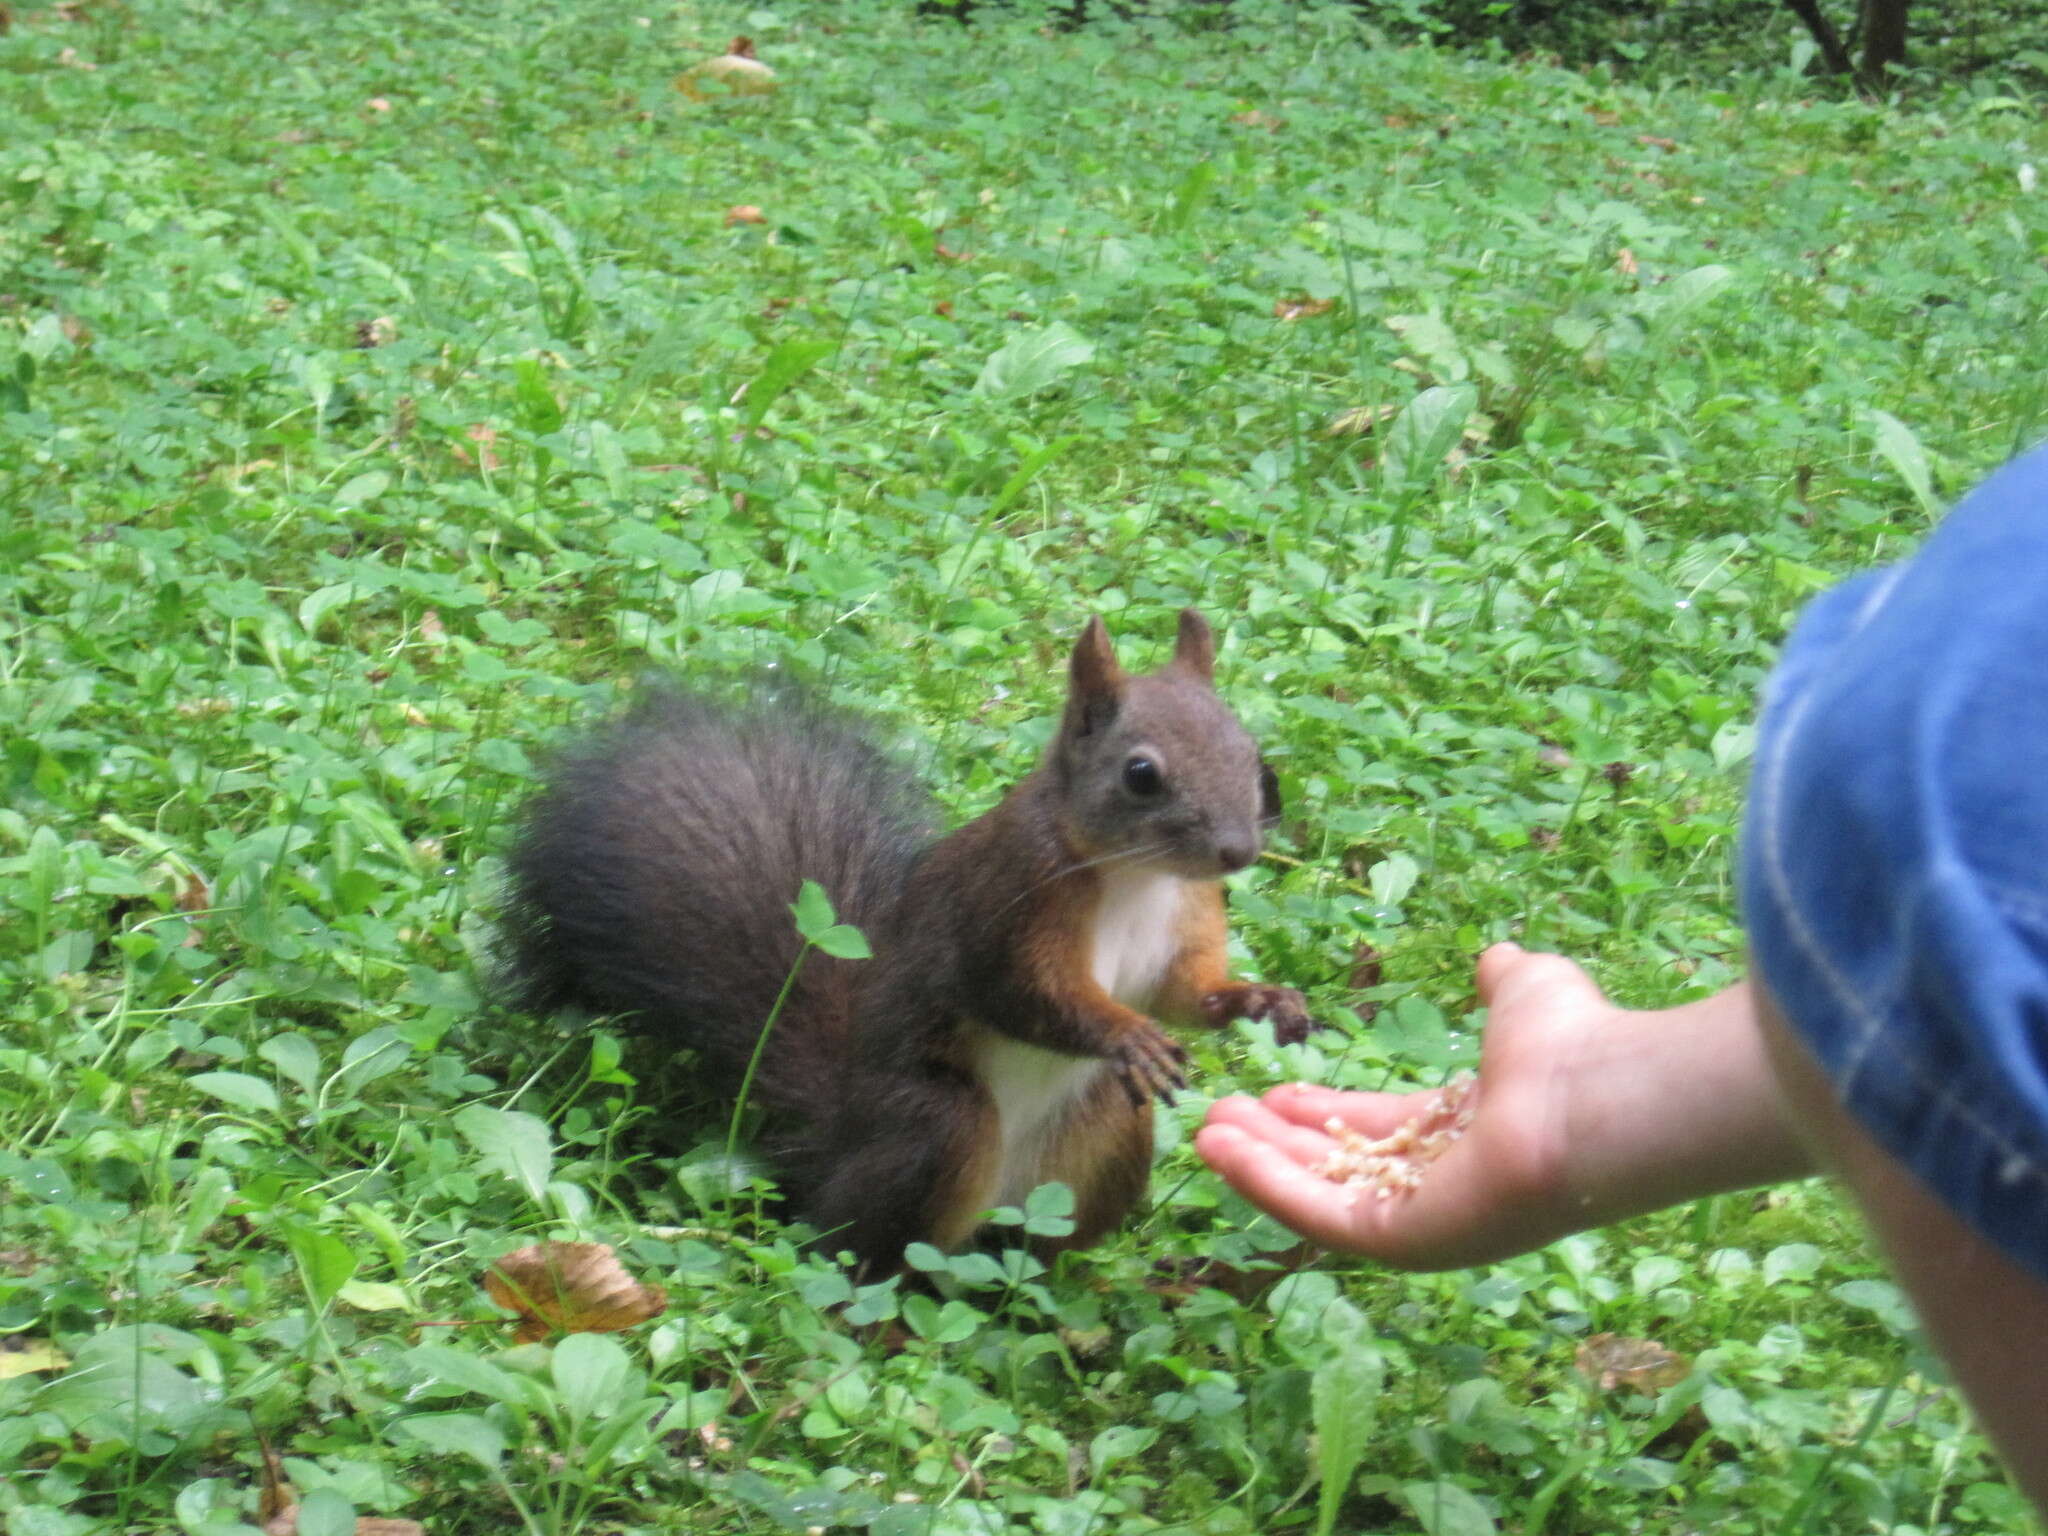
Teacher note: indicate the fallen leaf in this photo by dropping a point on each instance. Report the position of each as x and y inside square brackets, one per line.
[736, 71]
[21, 1356]
[1651, 141]
[192, 894]
[945, 254]
[1360, 419]
[1303, 308]
[1612, 1362]
[570, 1288]
[744, 213]
[1625, 262]
[431, 628]
[378, 104]
[486, 456]
[1258, 119]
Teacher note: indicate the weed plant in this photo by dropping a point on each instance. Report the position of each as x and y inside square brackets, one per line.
[384, 387]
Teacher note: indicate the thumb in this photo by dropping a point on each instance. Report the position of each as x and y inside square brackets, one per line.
[1509, 977]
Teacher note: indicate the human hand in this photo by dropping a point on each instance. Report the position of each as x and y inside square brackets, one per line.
[1501, 1188]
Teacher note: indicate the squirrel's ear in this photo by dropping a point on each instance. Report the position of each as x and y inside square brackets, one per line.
[1094, 681]
[1194, 649]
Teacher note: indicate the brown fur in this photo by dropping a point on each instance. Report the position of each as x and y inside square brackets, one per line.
[655, 870]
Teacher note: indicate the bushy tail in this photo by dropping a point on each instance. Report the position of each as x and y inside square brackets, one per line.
[654, 871]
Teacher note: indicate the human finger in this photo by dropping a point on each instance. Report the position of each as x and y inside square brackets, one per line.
[1304, 1141]
[1368, 1114]
[1278, 1185]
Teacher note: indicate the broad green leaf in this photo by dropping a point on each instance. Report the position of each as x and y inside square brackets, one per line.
[510, 1142]
[1427, 429]
[813, 910]
[790, 361]
[368, 1057]
[361, 491]
[454, 1367]
[458, 1434]
[1344, 1395]
[1033, 360]
[325, 1262]
[594, 1375]
[1687, 292]
[296, 1058]
[326, 1512]
[1791, 1261]
[1901, 449]
[238, 1089]
[1443, 1508]
[1118, 1443]
[375, 1296]
[1392, 878]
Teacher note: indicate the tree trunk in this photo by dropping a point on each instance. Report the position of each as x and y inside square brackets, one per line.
[1883, 27]
[1832, 53]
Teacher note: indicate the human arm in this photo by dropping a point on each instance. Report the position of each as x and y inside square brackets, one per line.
[1585, 1113]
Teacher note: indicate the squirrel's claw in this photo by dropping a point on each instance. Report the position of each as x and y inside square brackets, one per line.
[1151, 1065]
[1282, 1007]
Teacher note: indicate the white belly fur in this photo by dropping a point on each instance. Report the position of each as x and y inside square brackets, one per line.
[1135, 938]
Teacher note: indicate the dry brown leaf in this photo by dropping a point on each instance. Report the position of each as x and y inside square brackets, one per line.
[946, 254]
[1302, 308]
[431, 627]
[192, 894]
[286, 1523]
[21, 1356]
[1651, 141]
[1612, 1362]
[1360, 419]
[1625, 262]
[736, 72]
[744, 213]
[570, 1288]
[486, 456]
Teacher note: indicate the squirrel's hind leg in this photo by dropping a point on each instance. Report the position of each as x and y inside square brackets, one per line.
[914, 1163]
[1103, 1153]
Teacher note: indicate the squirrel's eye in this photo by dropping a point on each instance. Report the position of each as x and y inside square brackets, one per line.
[1143, 778]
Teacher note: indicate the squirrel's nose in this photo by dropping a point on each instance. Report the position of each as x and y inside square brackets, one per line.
[1234, 853]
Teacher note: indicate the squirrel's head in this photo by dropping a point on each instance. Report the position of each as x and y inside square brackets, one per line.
[1154, 770]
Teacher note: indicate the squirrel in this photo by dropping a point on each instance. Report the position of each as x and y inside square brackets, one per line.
[1003, 1033]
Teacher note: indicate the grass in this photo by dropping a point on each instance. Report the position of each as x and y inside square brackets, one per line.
[383, 387]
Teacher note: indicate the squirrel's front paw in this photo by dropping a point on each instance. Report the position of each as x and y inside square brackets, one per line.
[1151, 1064]
[1282, 1007]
